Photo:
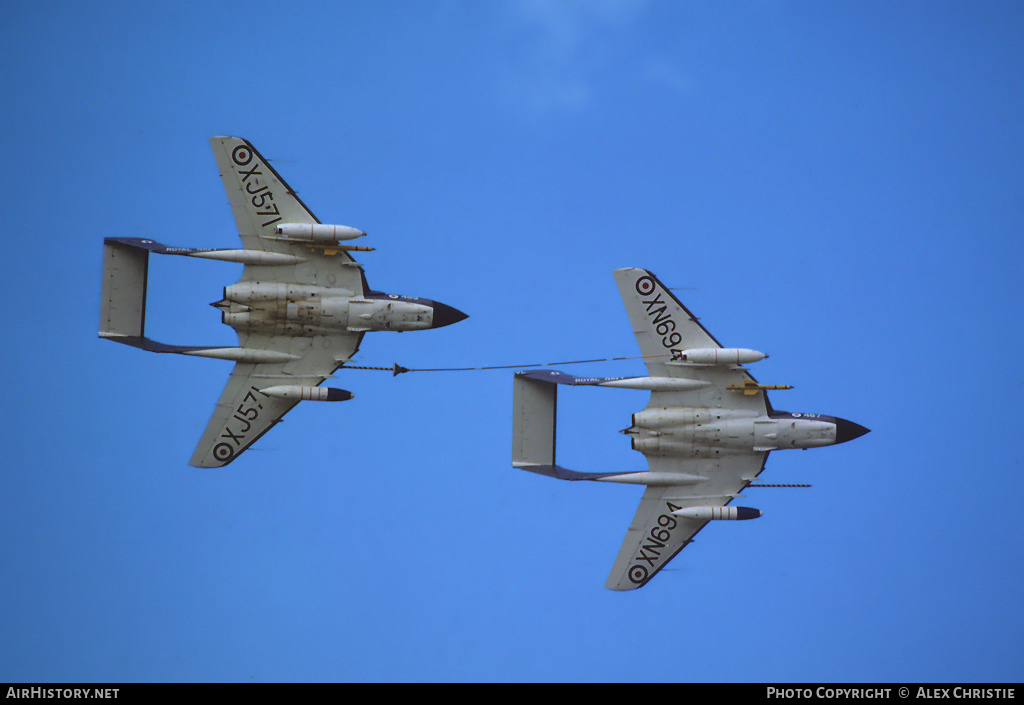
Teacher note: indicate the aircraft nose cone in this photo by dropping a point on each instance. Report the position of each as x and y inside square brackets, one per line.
[445, 315]
[848, 430]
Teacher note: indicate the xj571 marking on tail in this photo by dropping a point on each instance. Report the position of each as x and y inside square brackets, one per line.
[300, 309]
[706, 432]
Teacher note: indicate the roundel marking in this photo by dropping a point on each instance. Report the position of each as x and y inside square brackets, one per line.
[638, 574]
[223, 452]
[644, 285]
[241, 155]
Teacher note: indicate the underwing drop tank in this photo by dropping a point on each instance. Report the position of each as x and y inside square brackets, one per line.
[716, 513]
[720, 356]
[317, 232]
[308, 393]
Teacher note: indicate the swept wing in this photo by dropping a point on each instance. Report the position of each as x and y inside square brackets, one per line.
[664, 330]
[261, 201]
[243, 413]
[656, 533]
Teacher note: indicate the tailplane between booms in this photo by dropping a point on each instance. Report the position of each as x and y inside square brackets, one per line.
[123, 301]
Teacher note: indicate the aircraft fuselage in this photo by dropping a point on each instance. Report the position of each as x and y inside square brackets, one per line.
[285, 309]
[703, 432]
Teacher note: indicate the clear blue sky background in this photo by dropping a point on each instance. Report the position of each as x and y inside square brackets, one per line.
[838, 184]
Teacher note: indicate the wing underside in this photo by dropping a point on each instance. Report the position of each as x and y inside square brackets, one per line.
[261, 201]
[656, 535]
[244, 413]
[664, 328]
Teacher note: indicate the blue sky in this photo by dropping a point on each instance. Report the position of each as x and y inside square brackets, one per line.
[836, 184]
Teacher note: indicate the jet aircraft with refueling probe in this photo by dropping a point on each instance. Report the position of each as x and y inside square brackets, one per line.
[706, 431]
[300, 308]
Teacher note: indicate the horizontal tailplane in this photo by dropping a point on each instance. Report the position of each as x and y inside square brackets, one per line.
[534, 410]
[123, 302]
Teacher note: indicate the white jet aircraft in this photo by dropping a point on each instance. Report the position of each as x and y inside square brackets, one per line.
[707, 430]
[300, 308]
